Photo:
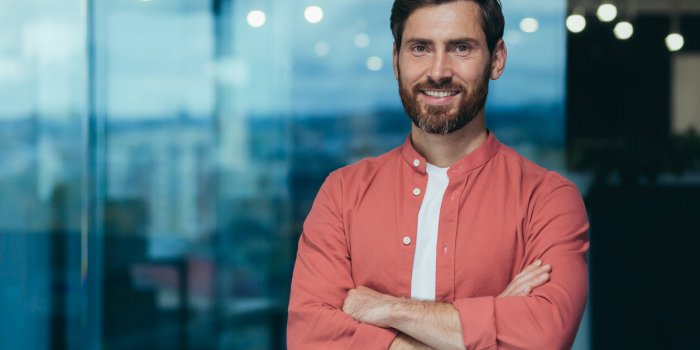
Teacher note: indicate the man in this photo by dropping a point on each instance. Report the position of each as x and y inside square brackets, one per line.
[440, 242]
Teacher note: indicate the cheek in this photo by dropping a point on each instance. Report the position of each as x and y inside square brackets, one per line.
[411, 70]
[474, 77]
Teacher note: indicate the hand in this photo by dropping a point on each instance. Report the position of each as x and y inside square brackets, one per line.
[532, 276]
[369, 306]
[405, 342]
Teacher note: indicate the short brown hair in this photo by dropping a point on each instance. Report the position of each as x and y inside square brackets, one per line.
[492, 21]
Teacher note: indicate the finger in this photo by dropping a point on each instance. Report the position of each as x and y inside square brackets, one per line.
[530, 267]
[528, 274]
[520, 287]
[528, 286]
[509, 290]
[520, 278]
[531, 274]
[540, 280]
[506, 292]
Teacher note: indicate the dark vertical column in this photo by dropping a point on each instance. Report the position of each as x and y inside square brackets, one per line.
[223, 31]
[58, 237]
[92, 228]
[643, 263]
[618, 98]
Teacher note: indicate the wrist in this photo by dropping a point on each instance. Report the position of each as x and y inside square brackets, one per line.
[398, 312]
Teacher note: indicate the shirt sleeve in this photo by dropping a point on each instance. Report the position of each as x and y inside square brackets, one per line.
[548, 318]
[321, 280]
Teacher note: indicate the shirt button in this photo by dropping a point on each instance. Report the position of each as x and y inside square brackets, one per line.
[416, 162]
[406, 240]
[416, 191]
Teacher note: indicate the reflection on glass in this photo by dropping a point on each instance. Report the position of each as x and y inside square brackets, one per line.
[221, 119]
[42, 104]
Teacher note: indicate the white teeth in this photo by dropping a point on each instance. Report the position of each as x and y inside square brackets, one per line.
[439, 94]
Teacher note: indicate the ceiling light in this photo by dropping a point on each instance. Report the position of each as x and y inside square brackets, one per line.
[529, 25]
[623, 30]
[313, 14]
[674, 42]
[256, 18]
[607, 12]
[375, 63]
[576, 23]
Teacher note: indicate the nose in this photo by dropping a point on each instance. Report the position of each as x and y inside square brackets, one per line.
[441, 69]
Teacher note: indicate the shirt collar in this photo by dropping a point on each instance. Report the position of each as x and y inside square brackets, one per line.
[471, 161]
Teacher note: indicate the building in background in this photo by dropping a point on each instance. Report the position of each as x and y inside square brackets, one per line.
[159, 157]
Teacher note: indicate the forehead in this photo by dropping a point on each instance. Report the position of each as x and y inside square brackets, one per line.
[457, 19]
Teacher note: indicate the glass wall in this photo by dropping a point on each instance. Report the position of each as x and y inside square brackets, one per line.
[161, 156]
[42, 107]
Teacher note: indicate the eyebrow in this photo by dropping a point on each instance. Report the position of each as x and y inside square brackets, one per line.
[451, 42]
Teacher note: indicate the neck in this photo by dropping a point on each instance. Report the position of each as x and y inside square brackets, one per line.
[445, 150]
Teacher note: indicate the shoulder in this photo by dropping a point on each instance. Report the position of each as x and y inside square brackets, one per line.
[548, 198]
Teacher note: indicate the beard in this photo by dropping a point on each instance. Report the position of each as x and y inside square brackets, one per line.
[442, 120]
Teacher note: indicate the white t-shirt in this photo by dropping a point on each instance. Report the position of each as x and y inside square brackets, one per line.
[424, 262]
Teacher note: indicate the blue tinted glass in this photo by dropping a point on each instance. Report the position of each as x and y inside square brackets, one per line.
[161, 156]
[42, 106]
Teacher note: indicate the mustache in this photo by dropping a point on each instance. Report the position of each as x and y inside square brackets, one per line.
[441, 85]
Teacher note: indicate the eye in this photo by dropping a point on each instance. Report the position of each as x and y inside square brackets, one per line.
[462, 48]
[419, 49]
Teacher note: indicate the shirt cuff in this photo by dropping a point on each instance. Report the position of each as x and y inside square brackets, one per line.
[478, 318]
[372, 337]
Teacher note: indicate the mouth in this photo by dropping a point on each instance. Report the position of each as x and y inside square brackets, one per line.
[439, 97]
[439, 93]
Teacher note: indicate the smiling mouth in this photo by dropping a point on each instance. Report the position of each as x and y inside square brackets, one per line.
[439, 93]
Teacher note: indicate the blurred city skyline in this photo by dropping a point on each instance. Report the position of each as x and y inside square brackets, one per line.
[324, 69]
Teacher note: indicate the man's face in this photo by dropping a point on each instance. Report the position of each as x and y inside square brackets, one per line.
[443, 66]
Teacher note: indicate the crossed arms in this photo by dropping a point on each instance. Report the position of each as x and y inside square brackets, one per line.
[547, 318]
[424, 324]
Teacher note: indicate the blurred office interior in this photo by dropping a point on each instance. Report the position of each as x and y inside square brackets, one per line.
[159, 158]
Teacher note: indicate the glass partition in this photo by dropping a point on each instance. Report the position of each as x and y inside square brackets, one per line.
[42, 107]
[161, 156]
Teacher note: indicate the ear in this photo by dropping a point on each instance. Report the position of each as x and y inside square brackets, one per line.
[498, 59]
[396, 63]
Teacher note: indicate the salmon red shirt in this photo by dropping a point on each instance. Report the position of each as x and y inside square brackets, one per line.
[500, 213]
